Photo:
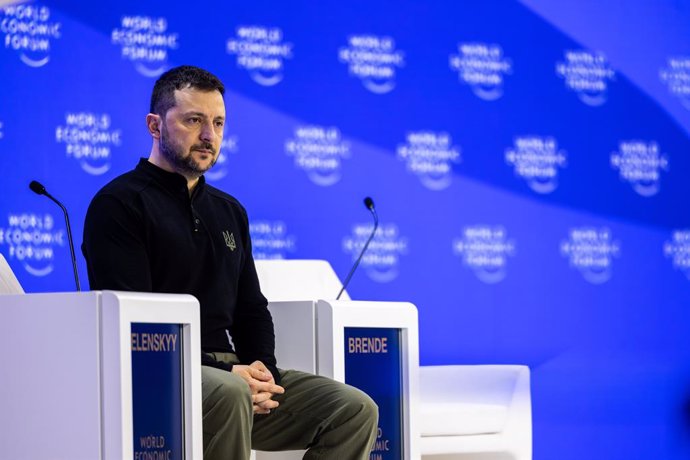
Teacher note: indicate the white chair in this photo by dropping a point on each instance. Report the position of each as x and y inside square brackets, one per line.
[481, 411]
[9, 284]
[318, 280]
[466, 411]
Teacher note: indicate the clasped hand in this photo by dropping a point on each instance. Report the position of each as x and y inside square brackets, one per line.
[262, 385]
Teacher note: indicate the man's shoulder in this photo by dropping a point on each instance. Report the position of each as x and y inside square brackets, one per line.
[119, 197]
[221, 196]
[124, 189]
[130, 183]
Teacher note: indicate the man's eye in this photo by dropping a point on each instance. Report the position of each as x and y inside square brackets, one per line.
[220, 124]
[195, 120]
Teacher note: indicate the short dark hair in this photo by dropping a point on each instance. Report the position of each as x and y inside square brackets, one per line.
[184, 76]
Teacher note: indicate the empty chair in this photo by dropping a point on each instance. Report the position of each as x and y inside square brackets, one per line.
[482, 409]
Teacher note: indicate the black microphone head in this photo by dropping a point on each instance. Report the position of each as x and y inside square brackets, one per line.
[369, 203]
[37, 187]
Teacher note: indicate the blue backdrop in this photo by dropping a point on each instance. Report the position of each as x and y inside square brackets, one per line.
[530, 162]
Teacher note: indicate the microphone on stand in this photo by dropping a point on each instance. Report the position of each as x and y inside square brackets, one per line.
[369, 203]
[39, 189]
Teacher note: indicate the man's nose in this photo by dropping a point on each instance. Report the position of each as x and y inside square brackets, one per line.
[207, 133]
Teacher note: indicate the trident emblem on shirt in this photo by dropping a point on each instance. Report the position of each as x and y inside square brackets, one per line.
[229, 240]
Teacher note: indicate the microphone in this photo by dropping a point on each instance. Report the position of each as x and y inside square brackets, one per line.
[39, 189]
[369, 203]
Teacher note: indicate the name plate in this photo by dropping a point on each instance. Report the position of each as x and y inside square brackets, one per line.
[373, 363]
[157, 391]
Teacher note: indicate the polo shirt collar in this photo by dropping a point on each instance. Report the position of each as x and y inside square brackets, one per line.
[170, 180]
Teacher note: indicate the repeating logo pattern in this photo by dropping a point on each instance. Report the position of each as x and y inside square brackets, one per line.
[145, 41]
[482, 66]
[431, 156]
[29, 30]
[30, 239]
[588, 73]
[319, 151]
[261, 51]
[678, 250]
[640, 163]
[374, 60]
[676, 75]
[591, 251]
[89, 139]
[537, 159]
[485, 250]
[381, 262]
[271, 239]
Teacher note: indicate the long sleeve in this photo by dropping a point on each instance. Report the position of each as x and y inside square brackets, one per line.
[144, 232]
[115, 251]
[252, 330]
[114, 247]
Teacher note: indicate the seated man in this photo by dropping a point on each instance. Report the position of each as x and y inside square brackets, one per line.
[161, 228]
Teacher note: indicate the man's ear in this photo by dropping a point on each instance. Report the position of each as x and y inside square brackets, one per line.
[153, 123]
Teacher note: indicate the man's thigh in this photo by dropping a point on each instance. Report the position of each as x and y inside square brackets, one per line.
[310, 405]
[218, 380]
[226, 398]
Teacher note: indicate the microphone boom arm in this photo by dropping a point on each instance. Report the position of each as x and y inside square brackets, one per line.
[370, 205]
[71, 241]
[39, 189]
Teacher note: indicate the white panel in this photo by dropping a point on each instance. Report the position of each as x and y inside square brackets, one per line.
[295, 332]
[120, 310]
[49, 399]
[332, 319]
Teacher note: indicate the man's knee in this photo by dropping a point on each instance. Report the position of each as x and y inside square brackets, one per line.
[365, 409]
[370, 410]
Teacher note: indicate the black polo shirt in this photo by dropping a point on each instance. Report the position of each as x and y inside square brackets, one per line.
[143, 232]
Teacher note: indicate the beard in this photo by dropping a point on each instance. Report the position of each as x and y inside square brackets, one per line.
[184, 162]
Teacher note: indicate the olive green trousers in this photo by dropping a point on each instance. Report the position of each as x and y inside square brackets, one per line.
[330, 419]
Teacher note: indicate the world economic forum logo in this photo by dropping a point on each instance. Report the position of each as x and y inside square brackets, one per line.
[374, 60]
[485, 250]
[228, 147]
[640, 163]
[678, 250]
[261, 51]
[381, 262]
[89, 139]
[591, 251]
[319, 151]
[30, 239]
[146, 42]
[676, 76]
[271, 239]
[537, 159]
[482, 67]
[588, 73]
[29, 31]
[430, 156]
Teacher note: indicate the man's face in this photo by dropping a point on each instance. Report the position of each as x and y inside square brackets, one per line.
[192, 130]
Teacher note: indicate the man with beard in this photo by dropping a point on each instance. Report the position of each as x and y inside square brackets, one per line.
[161, 228]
